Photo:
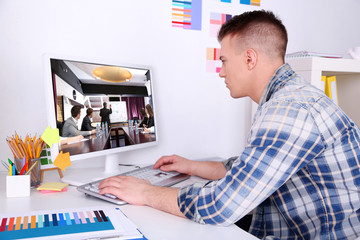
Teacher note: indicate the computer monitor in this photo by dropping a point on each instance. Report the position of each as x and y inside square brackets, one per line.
[72, 81]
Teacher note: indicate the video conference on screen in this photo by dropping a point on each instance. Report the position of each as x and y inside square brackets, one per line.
[126, 89]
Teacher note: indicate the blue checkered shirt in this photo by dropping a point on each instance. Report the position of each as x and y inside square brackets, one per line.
[299, 172]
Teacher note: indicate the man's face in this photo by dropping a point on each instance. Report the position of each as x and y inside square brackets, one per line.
[234, 68]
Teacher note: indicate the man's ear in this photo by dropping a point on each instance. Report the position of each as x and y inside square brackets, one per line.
[251, 58]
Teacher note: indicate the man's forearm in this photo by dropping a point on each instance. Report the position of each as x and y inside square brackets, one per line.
[208, 170]
[164, 199]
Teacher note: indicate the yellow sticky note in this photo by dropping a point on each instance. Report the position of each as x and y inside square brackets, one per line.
[50, 136]
[53, 186]
[62, 160]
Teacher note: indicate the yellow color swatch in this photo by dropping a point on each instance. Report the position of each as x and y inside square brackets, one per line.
[33, 222]
[18, 223]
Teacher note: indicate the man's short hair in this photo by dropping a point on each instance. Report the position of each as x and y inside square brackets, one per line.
[75, 110]
[89, 111]
[260, 30]
[104, 104]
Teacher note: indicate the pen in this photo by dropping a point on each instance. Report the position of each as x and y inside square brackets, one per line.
[22, 172]
[5, 164]
[77, 133]
[32, 166]
[15, 172]
[10, 170]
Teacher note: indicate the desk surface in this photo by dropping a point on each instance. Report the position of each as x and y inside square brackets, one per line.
[152, 223]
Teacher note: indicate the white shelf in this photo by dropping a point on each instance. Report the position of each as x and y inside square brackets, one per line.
[347, 72]
[330, 65]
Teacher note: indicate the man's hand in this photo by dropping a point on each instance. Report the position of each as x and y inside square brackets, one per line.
[140, 192]
[206, 169]
[174, 163]
[126, 188]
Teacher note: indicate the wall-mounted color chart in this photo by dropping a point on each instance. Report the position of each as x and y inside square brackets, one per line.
[250, 2]
[216, 20]
[213, 63]
[222, 1]
[62, 224]
[187, 14]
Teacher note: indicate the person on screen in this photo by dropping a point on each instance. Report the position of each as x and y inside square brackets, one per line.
[150, 114]
[144, 117]
[70, 128]
[299, 173]
[86, 123]
[105, 114]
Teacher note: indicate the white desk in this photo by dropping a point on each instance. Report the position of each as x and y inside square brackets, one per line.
[152, 223]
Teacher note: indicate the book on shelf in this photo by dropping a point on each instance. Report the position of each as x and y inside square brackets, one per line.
[304, 54]
[330, 87]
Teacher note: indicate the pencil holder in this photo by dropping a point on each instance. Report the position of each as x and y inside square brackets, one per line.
[18, 186]
[35, 173]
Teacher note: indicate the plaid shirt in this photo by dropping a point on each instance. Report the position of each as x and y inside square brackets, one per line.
[299, 171]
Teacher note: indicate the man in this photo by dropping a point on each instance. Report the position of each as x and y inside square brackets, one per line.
[105, 114]
[70, 128]
[86, 123]
[300, 171]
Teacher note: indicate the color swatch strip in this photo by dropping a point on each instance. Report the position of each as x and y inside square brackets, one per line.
[213, 63]
[187, 14]
[250, 2]
[54, 224]
[216, 20]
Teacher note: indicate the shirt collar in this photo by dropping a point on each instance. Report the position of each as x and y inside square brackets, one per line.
[75, 120]
[280, 76]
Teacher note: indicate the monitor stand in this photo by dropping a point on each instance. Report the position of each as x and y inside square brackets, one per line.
[80, 176]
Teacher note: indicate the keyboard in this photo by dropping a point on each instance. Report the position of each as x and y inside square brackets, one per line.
[155, 176]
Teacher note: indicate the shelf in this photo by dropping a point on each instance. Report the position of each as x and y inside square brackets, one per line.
[347, 72]
[330, 65]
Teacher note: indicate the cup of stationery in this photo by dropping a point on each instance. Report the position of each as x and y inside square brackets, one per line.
[33, 169]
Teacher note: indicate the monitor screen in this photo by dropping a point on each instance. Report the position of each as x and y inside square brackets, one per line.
[100, 109]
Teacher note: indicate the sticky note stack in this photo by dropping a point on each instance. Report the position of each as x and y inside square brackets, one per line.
[51, 187]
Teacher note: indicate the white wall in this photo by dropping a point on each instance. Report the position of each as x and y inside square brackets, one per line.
[196, 116]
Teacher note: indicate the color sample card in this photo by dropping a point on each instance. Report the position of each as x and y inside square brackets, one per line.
[250, 2]
[62, 224]
[216, 20]
[213, 63]
[187, 14]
